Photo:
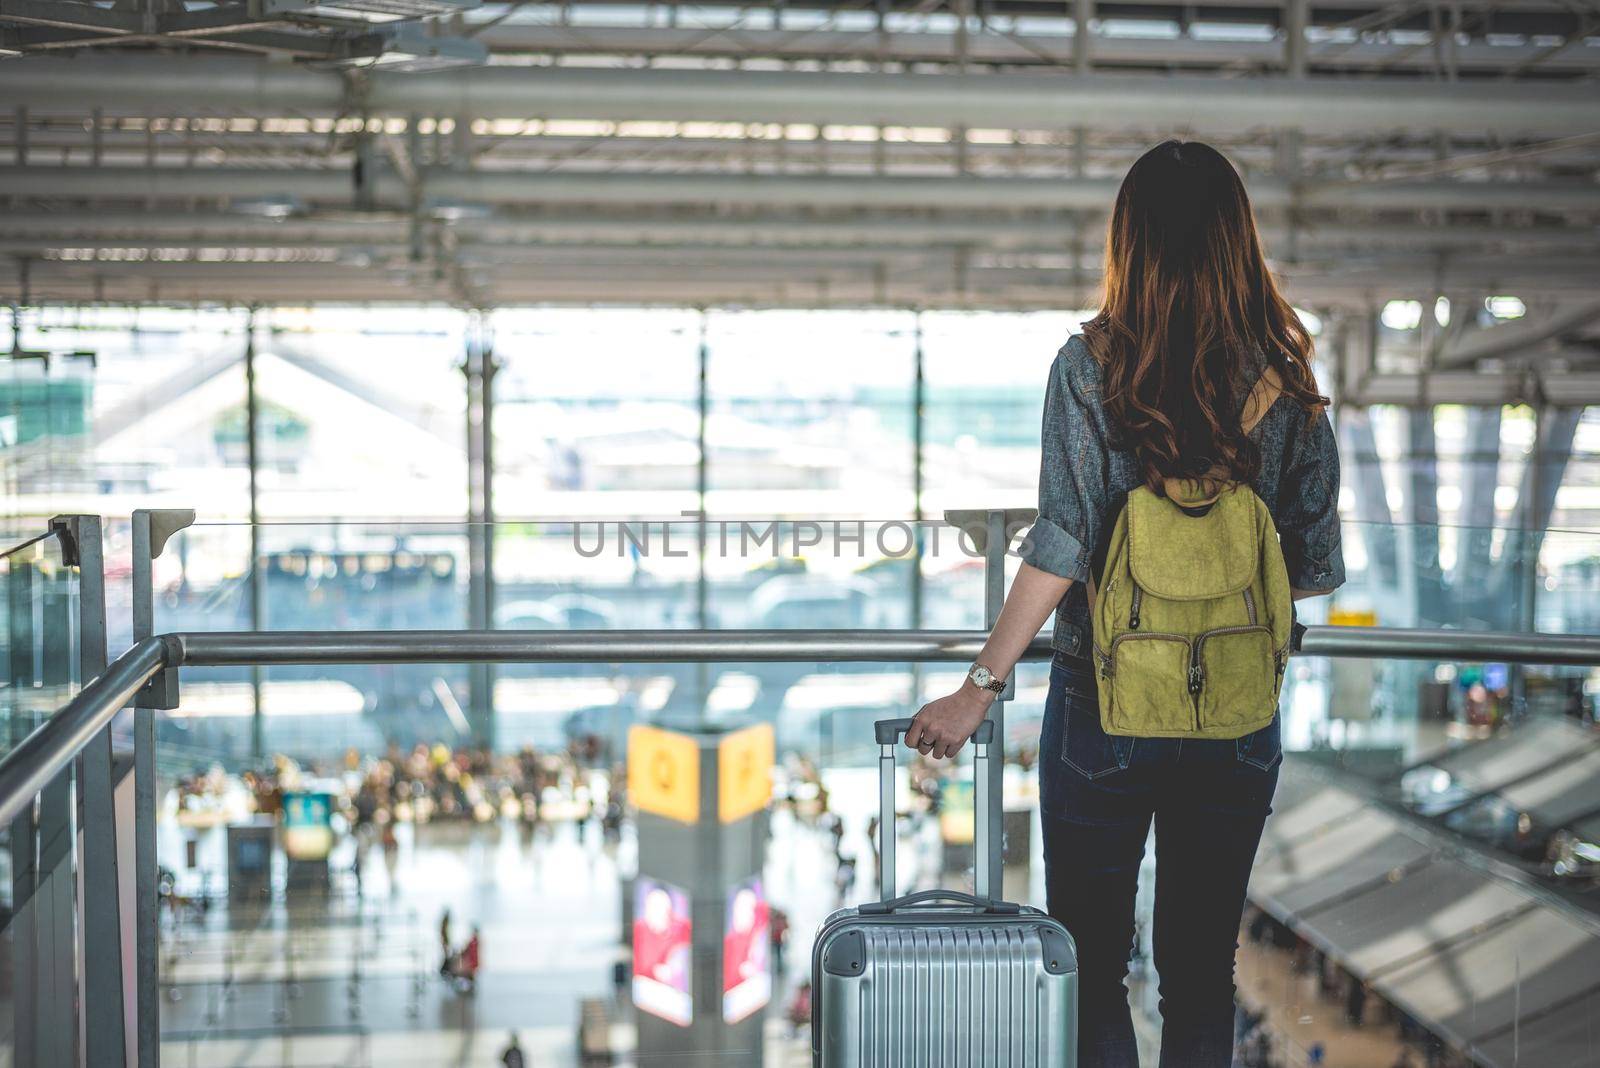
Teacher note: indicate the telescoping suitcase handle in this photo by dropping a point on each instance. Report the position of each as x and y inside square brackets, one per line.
[888, 733]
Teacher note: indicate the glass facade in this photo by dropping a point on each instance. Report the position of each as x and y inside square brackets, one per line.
[823, 448]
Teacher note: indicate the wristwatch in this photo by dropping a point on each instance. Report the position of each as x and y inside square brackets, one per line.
[984, 679]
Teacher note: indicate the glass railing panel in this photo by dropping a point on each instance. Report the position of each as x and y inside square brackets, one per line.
[1378, 715]
[40, 643]
[39, 647]
[1476, 578]
[788, 571]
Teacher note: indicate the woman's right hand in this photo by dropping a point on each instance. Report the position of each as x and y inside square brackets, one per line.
[942, 726]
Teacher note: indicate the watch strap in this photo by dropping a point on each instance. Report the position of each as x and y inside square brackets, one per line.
[995, 684]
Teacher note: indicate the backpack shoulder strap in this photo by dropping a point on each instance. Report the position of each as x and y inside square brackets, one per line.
[1263, 395]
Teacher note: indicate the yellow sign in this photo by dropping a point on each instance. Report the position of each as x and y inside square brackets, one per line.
[1344, 617]
[744, 772]
[664, 773]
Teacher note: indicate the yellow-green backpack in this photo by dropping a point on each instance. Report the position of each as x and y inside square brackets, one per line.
[1193, 612]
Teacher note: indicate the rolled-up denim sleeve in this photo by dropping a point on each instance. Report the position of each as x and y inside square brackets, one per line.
[1072, 479]
[1308, 511]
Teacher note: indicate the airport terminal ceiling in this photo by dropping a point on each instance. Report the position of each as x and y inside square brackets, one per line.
[939, 155]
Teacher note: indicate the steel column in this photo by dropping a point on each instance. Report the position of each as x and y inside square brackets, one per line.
[1422, 514]
[1294, 37]
[479, 369]
[1082, 12]
[919, 411]
[258, 583]
[1480, 477]
[1360, 447]
[702, 584]
[1536, 497]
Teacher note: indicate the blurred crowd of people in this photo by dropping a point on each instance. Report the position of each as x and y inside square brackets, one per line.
[429, 783]
[435, 782]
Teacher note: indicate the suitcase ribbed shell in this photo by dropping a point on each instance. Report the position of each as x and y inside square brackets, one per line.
[949, 995]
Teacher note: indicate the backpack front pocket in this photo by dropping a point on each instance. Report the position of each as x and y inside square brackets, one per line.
[1147, 683]
[1238, 680]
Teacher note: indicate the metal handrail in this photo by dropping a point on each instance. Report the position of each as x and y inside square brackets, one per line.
[11, 550]
[47, 750]
[40, 756]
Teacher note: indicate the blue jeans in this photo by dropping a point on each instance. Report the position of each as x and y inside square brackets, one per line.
[1209, 800]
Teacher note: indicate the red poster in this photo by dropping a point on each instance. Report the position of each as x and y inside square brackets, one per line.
[661, 933]
[746, 952]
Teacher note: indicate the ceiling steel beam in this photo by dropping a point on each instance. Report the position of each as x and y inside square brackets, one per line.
[838, 191]
[1049, 8]
[68, 133]
[1395, 278]
[615, 271]
[825, 290]
[1004, 230]
[1517, 338]
[1477, 388]
[1048, 101]
[1025, 49]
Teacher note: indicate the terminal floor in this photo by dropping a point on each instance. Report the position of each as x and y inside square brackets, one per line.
[352, 981]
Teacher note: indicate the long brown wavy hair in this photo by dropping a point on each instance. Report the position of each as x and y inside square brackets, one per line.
[1190, 310]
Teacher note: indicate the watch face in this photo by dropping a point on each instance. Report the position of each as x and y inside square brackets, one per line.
[982, 676]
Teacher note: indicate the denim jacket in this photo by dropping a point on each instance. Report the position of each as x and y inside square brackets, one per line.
[1085, 476]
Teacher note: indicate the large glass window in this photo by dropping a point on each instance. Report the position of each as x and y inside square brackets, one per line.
[110, 409]
[810, 421]
[986, 375]
[360, 414]
[597, 430]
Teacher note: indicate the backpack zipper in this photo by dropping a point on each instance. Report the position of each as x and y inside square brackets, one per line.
[1250, 605]
[1197, 673]
[1108, 665]
[1220, 631]
[1105, 662]
[1133, 613]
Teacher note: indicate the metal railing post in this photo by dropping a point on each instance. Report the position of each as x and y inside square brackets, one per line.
[994, 597]
[55, 892]
[991, 531]
[22, 832]
[54, 912]
[151, 529]
[101, 948]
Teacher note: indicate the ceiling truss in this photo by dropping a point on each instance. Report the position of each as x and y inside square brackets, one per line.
[911, 153]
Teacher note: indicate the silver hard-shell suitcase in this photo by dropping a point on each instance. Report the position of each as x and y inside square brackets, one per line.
[941, 978]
